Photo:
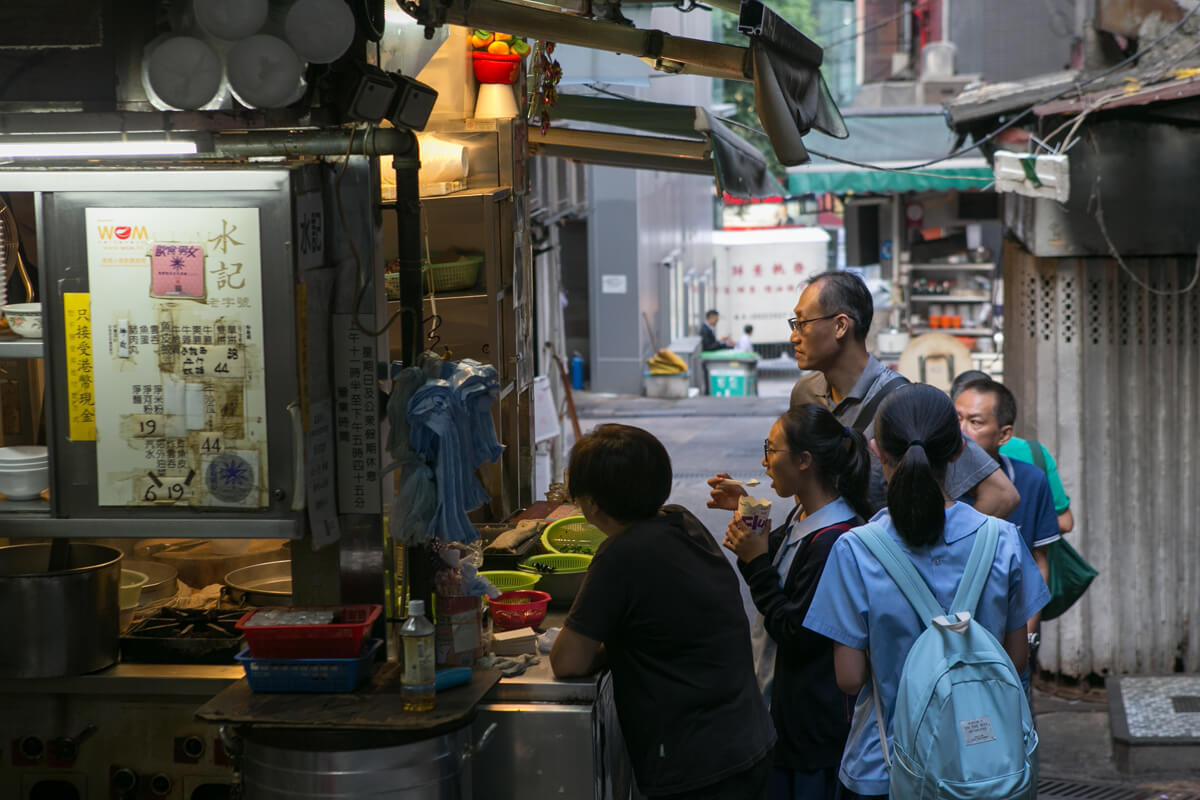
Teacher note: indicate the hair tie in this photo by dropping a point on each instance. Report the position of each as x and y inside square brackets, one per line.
[916, 443]
[845, 430]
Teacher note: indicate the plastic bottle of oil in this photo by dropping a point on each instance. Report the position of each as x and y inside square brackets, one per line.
[417, 680]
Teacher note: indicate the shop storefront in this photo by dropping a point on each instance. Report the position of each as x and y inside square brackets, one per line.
[282, 356]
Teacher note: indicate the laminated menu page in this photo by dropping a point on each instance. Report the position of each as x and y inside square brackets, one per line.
[177, 356]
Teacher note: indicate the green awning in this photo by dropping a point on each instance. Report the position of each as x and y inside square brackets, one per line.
[889, 138]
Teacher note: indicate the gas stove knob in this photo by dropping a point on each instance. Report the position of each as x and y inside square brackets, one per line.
[193, 747]
[160, 785]
[32, 748]
[124, 779]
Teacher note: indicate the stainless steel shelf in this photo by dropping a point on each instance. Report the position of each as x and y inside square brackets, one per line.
[497, 193]
[948, 298]
[969, 267]
[14, 346]
[956, 331]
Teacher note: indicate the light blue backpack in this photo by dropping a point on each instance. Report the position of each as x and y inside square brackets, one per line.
[962, 729]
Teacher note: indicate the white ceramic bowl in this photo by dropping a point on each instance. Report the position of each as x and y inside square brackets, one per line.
[25, 319]
[24, 483]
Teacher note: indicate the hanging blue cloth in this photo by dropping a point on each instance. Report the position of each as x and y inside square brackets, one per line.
[415, 502]
[478, 386]
[439, 434]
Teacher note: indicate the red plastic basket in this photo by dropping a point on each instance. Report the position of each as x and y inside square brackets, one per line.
[339, 639]
[525, 608]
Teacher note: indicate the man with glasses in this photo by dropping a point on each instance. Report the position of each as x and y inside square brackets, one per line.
[829, 337]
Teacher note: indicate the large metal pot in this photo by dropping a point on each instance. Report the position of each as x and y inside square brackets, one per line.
[286, 765]
[58, 623]
[267, 584]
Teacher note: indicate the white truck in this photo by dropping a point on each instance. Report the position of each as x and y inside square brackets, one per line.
[759, 275]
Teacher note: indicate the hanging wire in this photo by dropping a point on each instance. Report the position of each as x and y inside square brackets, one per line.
[1077, 87]
[1095, 200]
[1074, 122]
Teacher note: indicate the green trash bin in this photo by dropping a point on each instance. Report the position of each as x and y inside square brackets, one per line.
[731, 373]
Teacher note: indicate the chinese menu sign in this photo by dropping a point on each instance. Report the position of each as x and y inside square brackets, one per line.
[177, 356]
[81, 406]
[356, 415]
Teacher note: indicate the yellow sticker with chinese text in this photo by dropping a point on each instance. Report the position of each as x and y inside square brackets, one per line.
[81, 401]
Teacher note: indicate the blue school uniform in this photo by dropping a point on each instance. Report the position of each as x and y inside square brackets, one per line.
[1034, 516]
[857, 604]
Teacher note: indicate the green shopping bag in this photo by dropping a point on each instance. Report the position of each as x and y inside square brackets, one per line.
[1070, 577]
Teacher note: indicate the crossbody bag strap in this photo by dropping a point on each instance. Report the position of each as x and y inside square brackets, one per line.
[866, 412]
[1037, 454]
[979, 567]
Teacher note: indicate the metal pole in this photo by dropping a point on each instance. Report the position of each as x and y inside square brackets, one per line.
[399, 143]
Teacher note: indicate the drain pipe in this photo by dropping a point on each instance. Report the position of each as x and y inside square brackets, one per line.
[398, 143]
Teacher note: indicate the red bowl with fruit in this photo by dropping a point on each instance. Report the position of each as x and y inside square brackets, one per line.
[496, 68]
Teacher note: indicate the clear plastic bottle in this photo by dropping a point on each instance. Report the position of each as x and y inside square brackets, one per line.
[417, 679]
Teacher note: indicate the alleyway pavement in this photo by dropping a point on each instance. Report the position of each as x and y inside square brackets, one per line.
[705, 435]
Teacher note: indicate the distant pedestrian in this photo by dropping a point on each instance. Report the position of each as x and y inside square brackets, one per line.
[708, 333]
[829, 337]
[860, 607]
[744, 345]
[824, 466]
[660, 606]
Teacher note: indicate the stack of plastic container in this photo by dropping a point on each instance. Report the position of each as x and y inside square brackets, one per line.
[320, 649]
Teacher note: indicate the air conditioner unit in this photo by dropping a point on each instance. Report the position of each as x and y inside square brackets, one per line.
[1033, 175]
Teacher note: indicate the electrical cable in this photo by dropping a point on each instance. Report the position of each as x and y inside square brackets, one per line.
[874, 26]
[1076, 87]
[1077, 120]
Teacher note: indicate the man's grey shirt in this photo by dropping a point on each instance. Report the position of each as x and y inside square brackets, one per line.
[962, 475]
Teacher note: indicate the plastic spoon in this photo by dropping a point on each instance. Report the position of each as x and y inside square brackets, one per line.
[732, 482]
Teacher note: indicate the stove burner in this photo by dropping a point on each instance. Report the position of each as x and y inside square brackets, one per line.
[184, 636]
[189, 623]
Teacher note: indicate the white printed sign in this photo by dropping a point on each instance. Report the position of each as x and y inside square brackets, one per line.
[178, 359]
[614, 284]
[356, 412]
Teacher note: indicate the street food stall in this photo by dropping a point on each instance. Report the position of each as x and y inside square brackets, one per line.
[209, 409]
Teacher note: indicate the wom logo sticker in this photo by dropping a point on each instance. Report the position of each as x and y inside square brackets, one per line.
[122, 232]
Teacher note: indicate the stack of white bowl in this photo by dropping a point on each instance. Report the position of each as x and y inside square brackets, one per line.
[24, 471]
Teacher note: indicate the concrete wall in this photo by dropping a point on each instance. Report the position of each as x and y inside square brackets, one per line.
[1107, 376]
[637, 219]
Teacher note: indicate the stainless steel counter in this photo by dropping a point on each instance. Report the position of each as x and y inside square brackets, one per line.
[192, 680]
[538, 685]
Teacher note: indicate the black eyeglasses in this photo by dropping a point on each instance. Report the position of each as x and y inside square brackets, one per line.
[797, 324]
[767, 449]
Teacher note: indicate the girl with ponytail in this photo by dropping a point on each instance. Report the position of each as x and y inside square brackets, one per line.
[811, 457]
[859, 606]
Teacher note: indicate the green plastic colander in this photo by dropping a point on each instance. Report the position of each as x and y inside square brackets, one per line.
[561, 563]
[572, 535]
[510, 580]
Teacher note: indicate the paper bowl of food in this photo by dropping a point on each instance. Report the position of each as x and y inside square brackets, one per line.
[24, 318]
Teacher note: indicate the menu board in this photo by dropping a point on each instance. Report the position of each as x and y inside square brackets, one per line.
[177, 352]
